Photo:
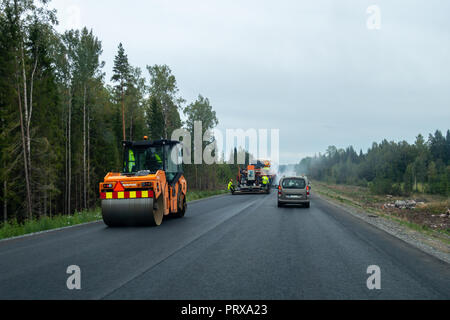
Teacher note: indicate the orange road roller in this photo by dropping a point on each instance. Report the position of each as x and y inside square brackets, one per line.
[151, 186]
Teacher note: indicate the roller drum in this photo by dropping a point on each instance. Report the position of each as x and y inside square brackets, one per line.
[131, 212]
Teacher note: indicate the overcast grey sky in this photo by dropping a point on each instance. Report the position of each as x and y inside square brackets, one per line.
[309, 68]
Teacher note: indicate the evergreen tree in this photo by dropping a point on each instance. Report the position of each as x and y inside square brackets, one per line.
[136, 103]
[121, 75]
[155, 119]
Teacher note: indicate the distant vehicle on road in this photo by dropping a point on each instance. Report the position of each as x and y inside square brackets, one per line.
[294, 190]
[251, 180]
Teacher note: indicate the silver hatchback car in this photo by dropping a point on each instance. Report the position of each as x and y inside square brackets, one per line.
[294, 190]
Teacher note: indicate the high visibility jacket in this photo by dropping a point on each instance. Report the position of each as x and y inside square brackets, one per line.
[158, 158]
[131, 161]
[230, 185]
[265, 180]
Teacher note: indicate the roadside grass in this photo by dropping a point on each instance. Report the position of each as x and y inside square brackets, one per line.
[424, 220]
[13, 229]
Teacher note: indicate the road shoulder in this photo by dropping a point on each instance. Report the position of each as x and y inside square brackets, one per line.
[415, 238]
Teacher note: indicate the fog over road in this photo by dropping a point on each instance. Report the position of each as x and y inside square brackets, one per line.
[240, 247]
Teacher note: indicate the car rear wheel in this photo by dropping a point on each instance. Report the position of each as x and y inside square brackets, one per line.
[308, 205]
[280, 205]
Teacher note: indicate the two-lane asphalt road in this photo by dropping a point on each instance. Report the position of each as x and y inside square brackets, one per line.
[240, 247]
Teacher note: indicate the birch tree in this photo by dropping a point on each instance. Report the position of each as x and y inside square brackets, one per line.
[87, 68]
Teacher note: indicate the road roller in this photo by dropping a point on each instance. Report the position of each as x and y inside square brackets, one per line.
[150, 187]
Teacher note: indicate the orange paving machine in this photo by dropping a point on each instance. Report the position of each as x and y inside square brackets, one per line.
[250, 180]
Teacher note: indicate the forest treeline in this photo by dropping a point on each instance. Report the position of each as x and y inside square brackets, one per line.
[62, 124]
[388, 167]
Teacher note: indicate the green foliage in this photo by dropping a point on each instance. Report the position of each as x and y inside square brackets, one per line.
[200, 110]
[121, 69]
[388, 167]
[163, 89]
[75, 118]
[15, 229]
[409, 179]
[135, 102]
[384, 186]
[155, 119]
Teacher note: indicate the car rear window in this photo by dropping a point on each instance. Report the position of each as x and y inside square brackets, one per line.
[294, 184]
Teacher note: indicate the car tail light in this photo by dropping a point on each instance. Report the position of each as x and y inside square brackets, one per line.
[279, 190]
[107, 186]
[307, 191]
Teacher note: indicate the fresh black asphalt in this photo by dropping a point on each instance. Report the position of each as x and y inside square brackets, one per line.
[230, 247]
